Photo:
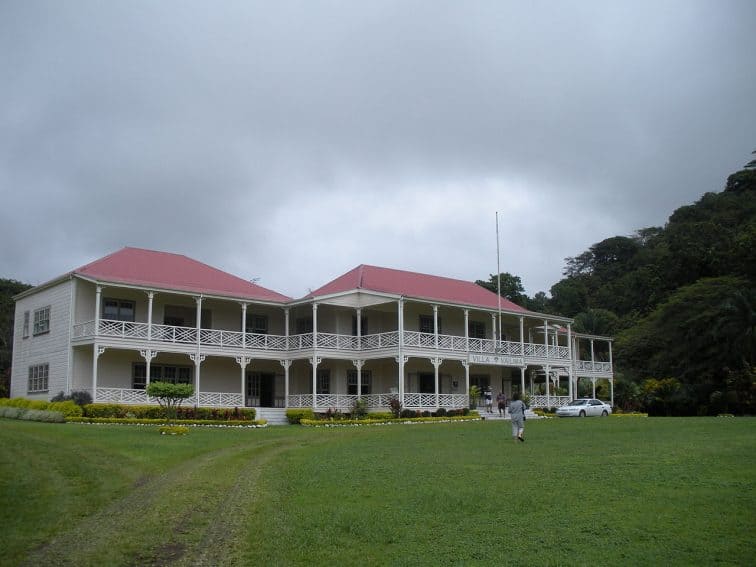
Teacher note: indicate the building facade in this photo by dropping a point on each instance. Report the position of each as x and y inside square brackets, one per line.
[375, 334]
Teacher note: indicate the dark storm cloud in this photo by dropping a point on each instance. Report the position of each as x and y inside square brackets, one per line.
[290, 138]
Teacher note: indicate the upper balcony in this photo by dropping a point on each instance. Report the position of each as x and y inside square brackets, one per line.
[482, 351]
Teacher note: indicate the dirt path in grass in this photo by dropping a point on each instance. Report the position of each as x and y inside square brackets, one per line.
[193, 514]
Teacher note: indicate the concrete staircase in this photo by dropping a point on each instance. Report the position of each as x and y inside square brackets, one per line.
[529, 414]
[275, 416]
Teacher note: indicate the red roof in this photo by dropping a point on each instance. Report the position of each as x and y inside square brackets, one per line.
[412, 284]
[173, 271]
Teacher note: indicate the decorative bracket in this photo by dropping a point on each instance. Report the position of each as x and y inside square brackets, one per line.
[148, 354]
[401, 359]
[243, 361]
[436, 361]
[197, 358]
[315, 360]
[358, 363]
[100, 350]
[285, 363]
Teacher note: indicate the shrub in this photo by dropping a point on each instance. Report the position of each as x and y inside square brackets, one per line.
[440, 412]
[11, 412]
[295, 416]
[173, 430]
[42, 415]
[169, 395]
[380, 415]
[359, 410]
[395, 406]
[68, 408]
[79, 397]
[407, 413]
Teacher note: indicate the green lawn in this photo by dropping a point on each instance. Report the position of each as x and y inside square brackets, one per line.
[579, 492]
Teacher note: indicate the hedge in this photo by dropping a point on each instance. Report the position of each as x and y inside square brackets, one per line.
[156, 412]
[12, 412]
[67, 408]
[373, 421]
[147, 421]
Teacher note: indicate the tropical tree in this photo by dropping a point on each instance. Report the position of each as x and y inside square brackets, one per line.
[511, 287]
[169, 396]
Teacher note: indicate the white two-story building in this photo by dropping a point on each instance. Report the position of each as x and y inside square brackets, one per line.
[112, 326]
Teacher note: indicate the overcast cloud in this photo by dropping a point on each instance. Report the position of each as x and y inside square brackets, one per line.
[291, 141]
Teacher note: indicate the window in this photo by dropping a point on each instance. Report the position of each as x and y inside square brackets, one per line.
[257, 324]
[476, 330]
[117, 309]
[304, 325]
[26, 324]
[181, 316]
[159, 373]
[38, 378]
[363, 326]
[324, 381]
[426, 324]
[42, 321]
[367, 379]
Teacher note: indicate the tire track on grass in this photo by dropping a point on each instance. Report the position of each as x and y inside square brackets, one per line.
[167, 499]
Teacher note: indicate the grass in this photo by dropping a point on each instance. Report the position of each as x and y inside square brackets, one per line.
[594, 491]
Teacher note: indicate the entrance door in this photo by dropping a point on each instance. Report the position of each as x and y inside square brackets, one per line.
[261, 389]
[427, 383]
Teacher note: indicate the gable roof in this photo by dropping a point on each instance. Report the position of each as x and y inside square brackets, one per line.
[413, 284]
[168, 271]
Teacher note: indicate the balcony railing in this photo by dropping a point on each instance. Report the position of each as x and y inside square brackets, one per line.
[139, 397]
[328, 341]
[345, 402]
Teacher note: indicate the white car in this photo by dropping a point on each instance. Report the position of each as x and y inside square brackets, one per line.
[584, 407]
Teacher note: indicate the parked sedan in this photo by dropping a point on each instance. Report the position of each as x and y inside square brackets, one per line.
[584, 407]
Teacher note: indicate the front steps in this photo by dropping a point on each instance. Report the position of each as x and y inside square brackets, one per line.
[529, 414]
[274, 416]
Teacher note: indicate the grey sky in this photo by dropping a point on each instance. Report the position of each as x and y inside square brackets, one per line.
[292, 141]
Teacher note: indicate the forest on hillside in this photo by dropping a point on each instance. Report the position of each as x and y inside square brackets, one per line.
[679, 300]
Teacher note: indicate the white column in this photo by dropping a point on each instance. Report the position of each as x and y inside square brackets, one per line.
[611, 362]
[401, 359]
[286, 364]
[546, 338]
[522, 381]
[466, 364]
[593, 362]
[98, 304]
[435, 325]
[359, 334]
[97, 351]
[358, 365]
[244, 325]
[436, 362]
[150, 297]
[522, 338]
[197, 359]
[593, 381]
[314, 325]
[611, 390]
[199, 318]
[493, 330]
[315, 361]
[572, 362]
[243, 362]
[286, 328]
[467, 329]
[148, 355]
[547, 368]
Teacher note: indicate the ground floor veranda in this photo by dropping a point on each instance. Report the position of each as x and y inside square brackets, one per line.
[118, 375]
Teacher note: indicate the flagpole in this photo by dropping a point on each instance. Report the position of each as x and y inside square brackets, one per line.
[498, 277]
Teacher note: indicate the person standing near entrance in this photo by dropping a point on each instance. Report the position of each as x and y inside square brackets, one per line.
[501, 402]
[488, 395]
[517, 415]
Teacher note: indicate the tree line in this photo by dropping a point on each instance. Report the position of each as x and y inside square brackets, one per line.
[680, 300]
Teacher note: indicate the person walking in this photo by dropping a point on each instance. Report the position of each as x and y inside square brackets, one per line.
[501, 401]
[517, 415]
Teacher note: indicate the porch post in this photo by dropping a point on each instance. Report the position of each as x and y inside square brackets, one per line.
[315, 360]
[359, 336]
[286, 364]
[150, 297]
[611, 362]
[358, 365]
[435, 326]
[572, 362]
[314, 325]
[198, 359]
[611, 390]
[148, 355]
[547, 369]
[593, 361]
[546, 338]
[401, 358]
[199, 319]
[97, 351]
[522, 380]
[98, 303]
[286, 327]
[493, 330]
[522, 340]
[244, 325]
[467, 330]
[436, 362]
[593, 381]
[466, 364]
[243, 362]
